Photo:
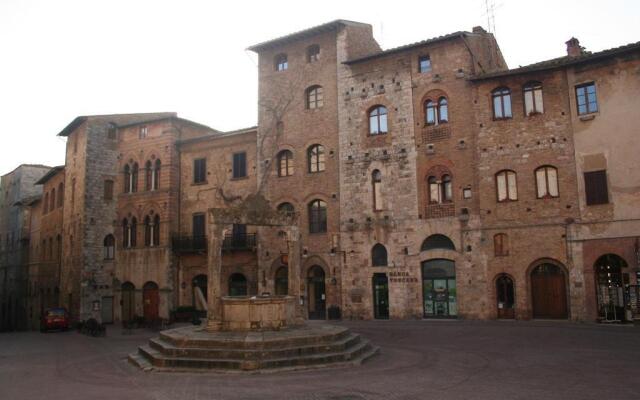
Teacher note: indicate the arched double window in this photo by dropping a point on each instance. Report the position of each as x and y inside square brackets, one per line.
[436, 242]
[285, 163]
[152, 230]
[281, 63]
[152, 175]
[376, 189]
[317, 216]
[533, 104]
[436, 112]
[378, 120]
[315, 97]
[131, 178]
[501, 98]
[440, 189]
[129, 232]
[109, 247]
[547, 182]
[286, 208]
[315, 155]
[379, 256]
[506, 186]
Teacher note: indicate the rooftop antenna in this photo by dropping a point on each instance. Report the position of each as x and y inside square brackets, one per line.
[490, 11]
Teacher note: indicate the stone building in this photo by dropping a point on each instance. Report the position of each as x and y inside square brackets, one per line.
[428, 181]
[17, 188]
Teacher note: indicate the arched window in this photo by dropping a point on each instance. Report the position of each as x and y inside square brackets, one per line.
[379, 256]
[127, 179]
[148, 176]
[286, 208]
[501, 244]
[376, 189]
[131, 178]
[315, 155]
[447, 190]
[547, 182]
[533, 98]
[134, 178]
[45, 205]
[281, 63]
[148, 231]
[501, 103]
[315, 97]
[237, 285]
[60, 194]
[437, 241]
[317, 216]
[155, 181]
[109, 247]
[134, 231]
[440, 190]
[506, 186]
[52, 205]
[129, 233]
[285, 163]
[313, 53]
[156, 230]
[436, 113]
[378, 120]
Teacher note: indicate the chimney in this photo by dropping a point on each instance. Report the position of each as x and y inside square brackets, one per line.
[478, 29]
[573, 47]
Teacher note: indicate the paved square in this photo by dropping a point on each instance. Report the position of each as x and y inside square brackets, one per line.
[419, 360]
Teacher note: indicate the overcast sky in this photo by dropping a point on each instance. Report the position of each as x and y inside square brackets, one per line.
[64, 58]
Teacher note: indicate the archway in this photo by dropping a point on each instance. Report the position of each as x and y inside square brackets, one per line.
[199, 285]
[439, 289]
[549, 291]
[611, 278]
[316, 293]
[237, 285]
[128, 301]
[505, 297]
[281, 284]
[150, 301]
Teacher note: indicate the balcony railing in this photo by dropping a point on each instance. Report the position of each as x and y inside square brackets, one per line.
[245, 241]
[189, 244]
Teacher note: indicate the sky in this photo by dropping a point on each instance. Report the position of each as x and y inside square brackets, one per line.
[64, 58]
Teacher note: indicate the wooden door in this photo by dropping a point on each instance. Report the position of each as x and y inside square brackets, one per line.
[151, 301]
[548, 291]
[380, 296]
[316, 295]
[107, 310]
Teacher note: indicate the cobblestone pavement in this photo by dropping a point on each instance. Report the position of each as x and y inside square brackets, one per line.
[419, 360]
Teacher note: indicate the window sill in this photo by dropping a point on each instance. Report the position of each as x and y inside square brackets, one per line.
[240, 178]
[317, 233]
[503, 118]
[199, 183]
[587, 117]
[375, 135]
[507, 201]
[598, 204]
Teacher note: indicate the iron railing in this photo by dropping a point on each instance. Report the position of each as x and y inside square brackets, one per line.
[244, 241]
[189, 244]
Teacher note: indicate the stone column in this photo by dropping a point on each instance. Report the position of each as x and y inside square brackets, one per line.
[293, 247]
[214, 275]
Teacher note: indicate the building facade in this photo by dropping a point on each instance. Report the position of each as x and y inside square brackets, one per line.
[428, 181]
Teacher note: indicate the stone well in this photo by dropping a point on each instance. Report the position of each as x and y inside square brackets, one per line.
[258, 313]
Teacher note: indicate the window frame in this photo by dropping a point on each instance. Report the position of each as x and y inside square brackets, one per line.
[378, 117]
[376, 189]
[108, 189]
[203, 223]
[314, 97]
[530, 88]
[313, 55]
[239, 165]
[596, 198]
[285, 156]
[379, 255]
[430, 66]
[318, 220]
[585, 86]
[281, 62]
[506, 173]
[109, 245]
[501, 92]
[500, 244]
[200, 171]
[547, 182]
[316, 159]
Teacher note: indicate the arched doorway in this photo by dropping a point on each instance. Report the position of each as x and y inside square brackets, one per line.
[439, 289]
[549, 292]
[610, 282]
[128, 301]
[505, 297]
[237, 285]
[199, 285]
[380, 296]
[316, 293]
[150, 301]
[281, 285]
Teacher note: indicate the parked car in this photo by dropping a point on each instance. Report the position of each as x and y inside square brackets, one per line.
[54, 318]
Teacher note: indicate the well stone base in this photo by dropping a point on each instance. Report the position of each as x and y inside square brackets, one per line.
[257, 313]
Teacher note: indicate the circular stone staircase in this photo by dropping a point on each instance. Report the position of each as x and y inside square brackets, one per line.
[314, 345]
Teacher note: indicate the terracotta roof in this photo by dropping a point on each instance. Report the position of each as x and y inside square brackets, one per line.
[329, 26]
[118, 119]
[562, 62]
[219, 135]
[409, 46]
[52, 172]
[175, 118]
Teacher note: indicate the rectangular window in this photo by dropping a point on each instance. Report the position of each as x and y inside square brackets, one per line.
[586, 99]
[240, 165]
[595, 187]
[200, 170]
[143, 132]
[198, 228]
[108, 189]
[424, 64]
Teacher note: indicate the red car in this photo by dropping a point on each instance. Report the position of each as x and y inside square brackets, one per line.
[54, 318]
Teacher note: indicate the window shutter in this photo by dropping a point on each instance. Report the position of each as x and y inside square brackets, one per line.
[595, 186]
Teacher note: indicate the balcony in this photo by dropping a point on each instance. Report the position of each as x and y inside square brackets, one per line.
[239, 242]
[189, 244]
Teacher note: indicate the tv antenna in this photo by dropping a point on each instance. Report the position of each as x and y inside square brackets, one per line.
[490, 12]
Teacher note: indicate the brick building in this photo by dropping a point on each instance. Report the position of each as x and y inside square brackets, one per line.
[428, 180]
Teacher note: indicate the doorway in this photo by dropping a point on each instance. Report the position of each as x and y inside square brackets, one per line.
[106, 311]
[549, 292]
[150, 301]
[128, 301]
[505, 297]
[439, 289]
[380, 296]
[237, 285]
[316, 293]
[199, 284]
[610, 287]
